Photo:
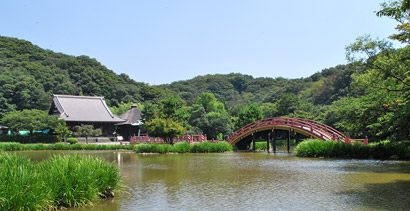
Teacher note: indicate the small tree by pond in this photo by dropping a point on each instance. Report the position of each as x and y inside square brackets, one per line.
[33, 120]
[166, 129]
[85, 131]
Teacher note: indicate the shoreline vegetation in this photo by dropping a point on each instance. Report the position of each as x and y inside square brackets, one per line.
[184, 147]
[58, 182]
[382, 150]
[14, 146]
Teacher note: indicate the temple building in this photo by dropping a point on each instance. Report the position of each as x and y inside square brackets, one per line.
[131, 127]
[84, 110]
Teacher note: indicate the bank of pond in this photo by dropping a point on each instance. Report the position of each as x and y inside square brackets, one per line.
[61, 181]
[180, 147]
[330, 149]
[307, 148]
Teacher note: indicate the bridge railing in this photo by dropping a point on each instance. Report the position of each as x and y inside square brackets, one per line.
[318, 129]
[356, 141]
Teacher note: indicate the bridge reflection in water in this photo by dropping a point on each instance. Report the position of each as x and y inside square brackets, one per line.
[300, 128]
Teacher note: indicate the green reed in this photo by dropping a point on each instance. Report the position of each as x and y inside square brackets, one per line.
[61, 181]
[13, 146]
[183, 147]
[332, 149]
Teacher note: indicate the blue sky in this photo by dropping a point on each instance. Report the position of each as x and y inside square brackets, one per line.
[161, 41]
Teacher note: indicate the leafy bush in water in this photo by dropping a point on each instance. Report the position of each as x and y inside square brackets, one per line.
[183, 147]
[12, 146]
[331, 149]
[70, 180]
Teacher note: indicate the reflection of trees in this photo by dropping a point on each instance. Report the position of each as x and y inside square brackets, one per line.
[385, 196]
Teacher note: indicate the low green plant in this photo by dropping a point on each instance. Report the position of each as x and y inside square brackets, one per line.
[61, 181]
[37, 138]
[72, 140]
[183, 147]
[331, 149]
[13, 146]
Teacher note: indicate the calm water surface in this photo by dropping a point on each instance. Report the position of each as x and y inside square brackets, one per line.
[252, 181]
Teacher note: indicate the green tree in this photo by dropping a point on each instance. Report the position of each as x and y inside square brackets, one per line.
[387, 77]
[269, 110]
[250, 114]
[62, 130]
[31, 120]
[287, 104]
[166, 129]
[399, 11]
[209, 102]
[210, 116]
[174, 108]
[149, 112]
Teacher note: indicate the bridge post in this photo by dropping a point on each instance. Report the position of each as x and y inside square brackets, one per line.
[267, 142]
[274, 141]
[289, 141]
[297, 138]
[254, 145]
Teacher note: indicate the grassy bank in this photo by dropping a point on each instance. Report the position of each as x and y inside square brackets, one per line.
[331, 149]
[61, 181]
[183, 147]
[12, 146]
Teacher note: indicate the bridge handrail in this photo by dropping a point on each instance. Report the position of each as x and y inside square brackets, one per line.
[304, 124]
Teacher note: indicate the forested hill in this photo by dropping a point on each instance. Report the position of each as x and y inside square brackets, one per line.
[29, 75]
[321, 88]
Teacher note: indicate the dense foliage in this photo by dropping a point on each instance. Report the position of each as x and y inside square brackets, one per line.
[184, 147]
[167, 129]
[61, 181]
[29, 76]
[14, 146]
[332, 149]
[37, 138]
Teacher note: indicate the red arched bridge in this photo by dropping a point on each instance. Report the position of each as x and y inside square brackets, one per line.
[306, 127]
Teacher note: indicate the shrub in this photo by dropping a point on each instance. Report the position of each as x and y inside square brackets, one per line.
[70, 180]
[37, 138]
[331, 149]
[183, 147]
[72, 140]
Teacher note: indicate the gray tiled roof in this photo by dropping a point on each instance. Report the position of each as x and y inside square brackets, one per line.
[132, 115]
[83, 109]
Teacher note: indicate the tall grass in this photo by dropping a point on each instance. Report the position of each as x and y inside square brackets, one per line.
[184, 147]
[61, 181]
[13, 146]
[331, 149]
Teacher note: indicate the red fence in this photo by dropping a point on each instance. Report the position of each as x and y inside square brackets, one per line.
[186, 138]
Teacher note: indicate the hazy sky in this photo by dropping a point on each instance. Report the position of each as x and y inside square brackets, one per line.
[161, 41]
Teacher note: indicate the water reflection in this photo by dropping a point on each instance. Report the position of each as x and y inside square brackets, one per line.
[252, 181]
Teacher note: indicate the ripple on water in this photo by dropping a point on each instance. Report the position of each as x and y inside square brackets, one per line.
[257, 181]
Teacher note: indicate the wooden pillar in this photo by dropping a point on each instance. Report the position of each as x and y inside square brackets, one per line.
[274, 141]
[254, 145]
[289, 141]
[267, 141]
[297, 138]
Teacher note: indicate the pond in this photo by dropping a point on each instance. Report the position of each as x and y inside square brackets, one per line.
[252, 181]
